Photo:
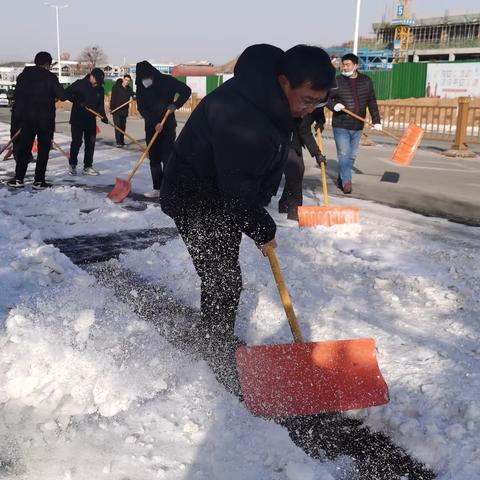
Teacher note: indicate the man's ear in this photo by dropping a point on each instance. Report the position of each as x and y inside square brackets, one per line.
[283, 81]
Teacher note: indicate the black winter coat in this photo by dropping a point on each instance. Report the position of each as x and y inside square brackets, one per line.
[344, 94]
[83, 94]
[35, 94]
[231, 153]
[152, 102]
[120, 95]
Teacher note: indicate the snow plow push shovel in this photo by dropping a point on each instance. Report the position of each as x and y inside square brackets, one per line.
[311, 216]
[122, 187]
[407, 144]
[308, 378]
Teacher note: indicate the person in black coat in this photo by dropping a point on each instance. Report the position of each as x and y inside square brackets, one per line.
[356, 93]
[121, 93]
[292, 196]
[226, 165]
[87, 92]
[155, 94]
[33, 111]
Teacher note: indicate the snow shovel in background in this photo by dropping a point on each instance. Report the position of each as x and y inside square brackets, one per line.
[56, 146]
[122, 187]
[142, 147]
[17, 133]
[308, 378]
[121, 106]
[407, 144]
[311, 216]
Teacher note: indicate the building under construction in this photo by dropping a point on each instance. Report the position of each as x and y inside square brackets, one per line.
[438, 38]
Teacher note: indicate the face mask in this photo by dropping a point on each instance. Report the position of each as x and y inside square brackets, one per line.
[348, 74]
[147, 82]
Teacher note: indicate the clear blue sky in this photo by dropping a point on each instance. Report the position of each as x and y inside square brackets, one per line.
[191, 30]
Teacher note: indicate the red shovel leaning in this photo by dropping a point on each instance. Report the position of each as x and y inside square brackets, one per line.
[308, 378]
[123, 187]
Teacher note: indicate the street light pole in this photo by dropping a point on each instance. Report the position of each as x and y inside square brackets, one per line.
[57, 7]
[357, 23]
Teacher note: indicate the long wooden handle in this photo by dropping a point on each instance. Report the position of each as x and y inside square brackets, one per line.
[284, 296]
[142, 147]
[322, 167]
[121, 106]
[61, 150]
[17, 133]
[364, 120]
[145, 153]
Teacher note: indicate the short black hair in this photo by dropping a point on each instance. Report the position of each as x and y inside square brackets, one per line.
[127, 75]
[307, 64]
[352, 57]
[43, 58]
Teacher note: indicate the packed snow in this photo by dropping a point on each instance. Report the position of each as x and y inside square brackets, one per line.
[91, 391]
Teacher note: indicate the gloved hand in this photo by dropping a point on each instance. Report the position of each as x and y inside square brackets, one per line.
[378, 127]
[171, 108]
[338, 107]
[105, 120]
[319, 126]
[321, 159]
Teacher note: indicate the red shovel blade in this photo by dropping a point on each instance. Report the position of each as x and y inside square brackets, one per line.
[120, 191]
[309, 378]
[405, 151]
[97, 130]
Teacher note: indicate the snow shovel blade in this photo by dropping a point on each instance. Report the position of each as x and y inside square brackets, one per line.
[405, 151]
[120, 190]
[311, 216]
[308, 378]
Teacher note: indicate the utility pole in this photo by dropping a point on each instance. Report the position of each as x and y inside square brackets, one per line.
[357, 23]
[57, 7]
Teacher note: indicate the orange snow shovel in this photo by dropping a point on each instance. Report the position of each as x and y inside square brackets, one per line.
[407, 144]
[122, 187]
[311, 216]
[5, 147]
[308, 378]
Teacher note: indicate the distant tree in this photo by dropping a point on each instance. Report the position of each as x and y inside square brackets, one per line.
[91, 57]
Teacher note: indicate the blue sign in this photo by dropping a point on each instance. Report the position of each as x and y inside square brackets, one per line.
[400, 10]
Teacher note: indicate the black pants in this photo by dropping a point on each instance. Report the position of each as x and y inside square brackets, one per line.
[43, 130]
[213, 241]
[159, 152]
[292, 195]
[120, 121]
[80, 134]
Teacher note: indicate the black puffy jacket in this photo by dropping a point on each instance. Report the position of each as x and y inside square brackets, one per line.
[120, 95]
[35, 94]
[231, 152]
[83, 94]
[153, 101]
[344, 94]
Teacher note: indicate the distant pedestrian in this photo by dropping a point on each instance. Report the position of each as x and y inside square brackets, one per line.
[292, 196]
[33, 111]
[121, 93]
[156, 94]
[87, 92]
[356, 93]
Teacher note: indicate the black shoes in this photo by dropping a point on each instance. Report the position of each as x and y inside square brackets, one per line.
[41, 185]
[15, 183]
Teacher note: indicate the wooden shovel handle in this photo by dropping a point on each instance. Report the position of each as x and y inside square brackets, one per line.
[17, 133]
[142, 147]
[122, 105]
[284, 296]
[364, 120]
[322, 167]
[145, 153]
[61, 150]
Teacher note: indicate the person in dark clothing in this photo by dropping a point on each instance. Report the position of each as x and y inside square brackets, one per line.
[87, 92]
[356, 93]
[121, 93]
[292, 196]
[226, 165]
[155, 95]
[34, 112]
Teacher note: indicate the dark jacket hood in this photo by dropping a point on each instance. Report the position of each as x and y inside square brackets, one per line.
[145, 70]
[255, 75]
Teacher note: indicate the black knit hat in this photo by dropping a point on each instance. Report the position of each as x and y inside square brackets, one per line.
[99, 75]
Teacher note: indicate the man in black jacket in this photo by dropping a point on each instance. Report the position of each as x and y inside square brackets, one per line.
[34, 112]
[227, 164]
[155, 95]
[87, 92]
[121, 93]
[355, 92]
[292, 196]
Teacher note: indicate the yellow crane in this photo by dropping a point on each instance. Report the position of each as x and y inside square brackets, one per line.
[403, 23]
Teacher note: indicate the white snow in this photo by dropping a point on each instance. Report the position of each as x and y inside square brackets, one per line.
[90, 391]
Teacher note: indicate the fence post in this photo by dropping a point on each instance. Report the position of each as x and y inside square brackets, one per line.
[460, 147]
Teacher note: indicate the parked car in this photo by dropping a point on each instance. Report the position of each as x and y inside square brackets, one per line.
[4, 101]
